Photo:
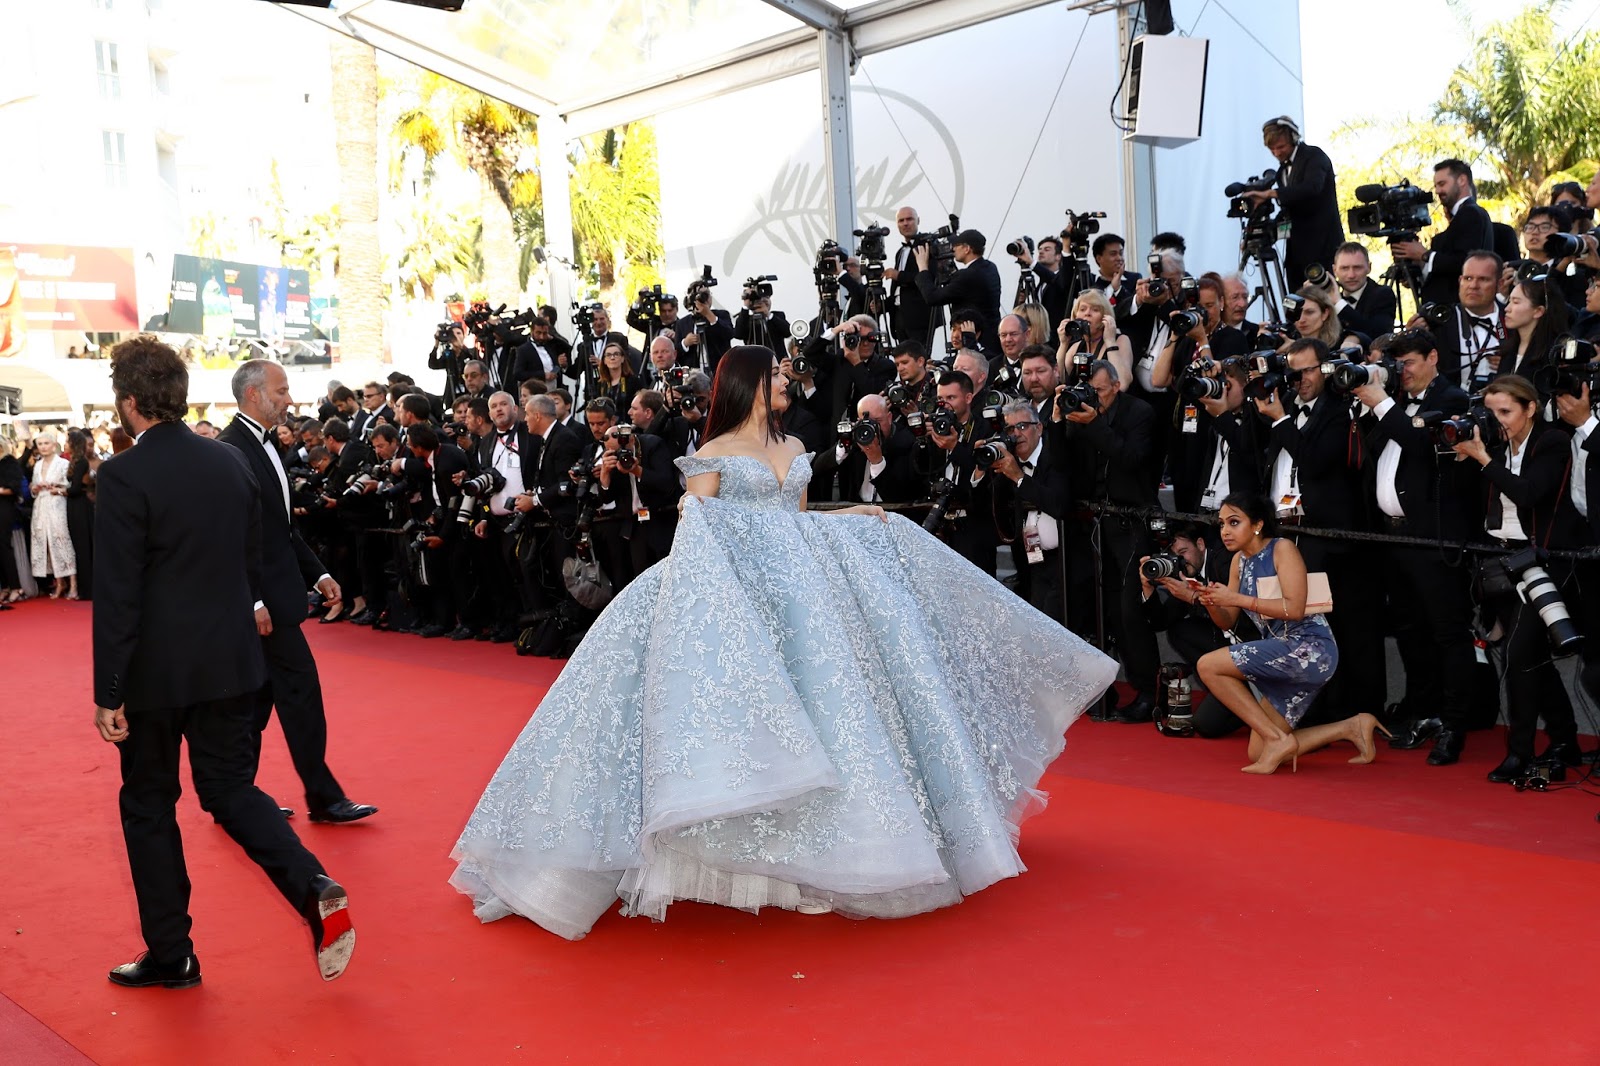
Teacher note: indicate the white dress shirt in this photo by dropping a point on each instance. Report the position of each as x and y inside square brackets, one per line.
[1580, 465]
[1510, 527]
[1389, 460]
[1036, 521]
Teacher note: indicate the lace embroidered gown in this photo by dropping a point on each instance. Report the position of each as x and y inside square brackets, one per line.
[791, 705]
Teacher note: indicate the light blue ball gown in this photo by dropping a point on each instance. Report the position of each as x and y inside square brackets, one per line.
[791, 706]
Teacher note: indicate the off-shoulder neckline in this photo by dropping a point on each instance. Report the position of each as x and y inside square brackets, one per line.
[768, 467]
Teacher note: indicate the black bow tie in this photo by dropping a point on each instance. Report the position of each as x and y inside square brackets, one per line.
[1487, 323]
[266, 436]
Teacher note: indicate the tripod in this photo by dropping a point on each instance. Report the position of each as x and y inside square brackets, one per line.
[1259, 242]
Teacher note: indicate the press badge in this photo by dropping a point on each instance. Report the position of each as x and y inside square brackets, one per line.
[642, 514]
[1191, 418]
[1289, 505]
[1031, 540]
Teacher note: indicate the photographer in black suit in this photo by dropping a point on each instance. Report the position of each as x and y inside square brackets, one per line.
[707, 331]
[1313, 474]
[1420, 494]
[910, 315]
[1173, 607]
[1036, 487]
[1468, 230]
[878, 470]
[1361, 304]
[546, 545]
[1108, 449]
[637, 474]
[177, 657]
[610, 547]
[511, 451]
[261, 388]
[436, 469]
[971, 526]
[1112, 276]
[1305, 189]
[1050, 284]
[975, 284]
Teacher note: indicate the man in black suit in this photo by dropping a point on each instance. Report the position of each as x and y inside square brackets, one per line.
[1475, 325]
[707, 331]
[975, 284]
[637, 477]
[878, 471]
[511, 451]
[374, 405]
[1418, 494]
[1468, 230]
[1112, 276]
[539, 357]
[758, 323]
[1109, 449]
[910, 317]
[1173, 607]
[1313, 470]
[436, 470]
[559, 446]
[1362, 304]
[1038, 496]
[1050, 283]
[1578, 414]
[1305, 188]
[289, 567]
[177, 658]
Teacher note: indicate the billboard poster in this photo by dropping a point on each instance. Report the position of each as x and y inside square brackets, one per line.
[66, 287]
[219, 298]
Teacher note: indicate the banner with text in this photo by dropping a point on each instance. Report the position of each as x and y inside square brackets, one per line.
[66, 287]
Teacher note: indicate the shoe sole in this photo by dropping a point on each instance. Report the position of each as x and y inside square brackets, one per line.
[324, 820]
[187, 982]
[338, 940]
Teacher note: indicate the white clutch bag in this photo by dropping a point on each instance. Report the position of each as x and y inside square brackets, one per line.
[1319, 598]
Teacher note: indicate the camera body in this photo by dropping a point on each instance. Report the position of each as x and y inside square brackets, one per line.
[942, 421]
[486, 483]
[990, 451]
[941, 244]
[1076, 395]
[627, 458]
[758, 287]
[1164, 564]
[1346, 377]
[1077, 330]
[871, 242]
[1017, 248]
[1571, 366]
[1181, 322]
[865, 431]
[1080, 230]
[1394, 212]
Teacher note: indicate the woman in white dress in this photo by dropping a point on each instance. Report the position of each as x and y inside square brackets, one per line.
[52, 544]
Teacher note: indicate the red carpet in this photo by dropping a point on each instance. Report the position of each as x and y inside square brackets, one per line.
[1176, 910]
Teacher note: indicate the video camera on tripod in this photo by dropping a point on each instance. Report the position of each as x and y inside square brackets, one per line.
[1081, 228]
[1393, 212]
[941, 244]
[758, 287]
[1571, 367]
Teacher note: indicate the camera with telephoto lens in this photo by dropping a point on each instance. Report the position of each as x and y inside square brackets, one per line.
[1080, 230]
[942, 421]
[1077, 330]
[1558, 246]
[1015, 248]
[990, 405]
[1181, 322]
[865, 431]
[1317, 274]
[1538, 590]
[1074, 396]
[1266, 386]
[1346, 377]
[1166, 564]
[1201, 387]
[1436, 315]
[1394, 212]
[758, 288]
[1571, 366]
[487, 483]
[626, 456]
[898, 395]
[990, 451]
[941, 491]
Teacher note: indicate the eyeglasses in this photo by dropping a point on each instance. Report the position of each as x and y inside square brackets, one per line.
[1538, 227]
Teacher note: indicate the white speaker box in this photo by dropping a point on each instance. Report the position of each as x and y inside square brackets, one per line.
[1167, 90]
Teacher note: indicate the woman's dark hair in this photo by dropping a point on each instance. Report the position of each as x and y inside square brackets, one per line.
[1571, 188]
[77, 444]
[1255, 508]
[153, 376]
[1550, 326]
[743, 374]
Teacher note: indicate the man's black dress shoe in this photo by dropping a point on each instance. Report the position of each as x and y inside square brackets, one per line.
[144, 972]
[344, 811]
[484, 634]
[1104, 709]
[287, 812]
[504, 636]
[432, 631]
[462, 633]
[1447, 747]
[1414, 734]
[1566, 753]
[1510, 768]
[333, 939]
[1140, 711]
[365, 618]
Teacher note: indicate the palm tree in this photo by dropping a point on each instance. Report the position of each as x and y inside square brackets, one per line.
[436, 246]
[360, 261]
[496, 141]
[616, 209]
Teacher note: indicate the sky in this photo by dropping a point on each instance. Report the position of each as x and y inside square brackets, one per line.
[1388, 58]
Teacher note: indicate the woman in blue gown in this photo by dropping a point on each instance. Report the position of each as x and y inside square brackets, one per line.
[800, 710]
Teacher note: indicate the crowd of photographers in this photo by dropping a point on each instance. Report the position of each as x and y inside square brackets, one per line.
[1074, 444]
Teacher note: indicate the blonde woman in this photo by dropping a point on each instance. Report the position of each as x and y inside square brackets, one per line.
[1038, 322]
[1103, 341]
[52, 544]
[1318, 318]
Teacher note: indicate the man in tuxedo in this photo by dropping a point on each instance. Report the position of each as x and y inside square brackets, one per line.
[1305, 189]
[1313, 467]
[1578, 414]
[1039, 379]
[436, 469]
[559, 446]
[288, 568]
[510, 450]
[1475, 325]
[877, 471]
[1050, 284]
[1419, 494]
[1361, 305]
[374, 405]
[758, 323]
[707, 331]
[177, 657]
[1109, 449]
[1112, 276]
[909, 314]
[1172, 607]
[1468, 230]
[970, 519]
[975, 284]
[1038, 497]
[539, 357]
[640, 484]
[1005, 369]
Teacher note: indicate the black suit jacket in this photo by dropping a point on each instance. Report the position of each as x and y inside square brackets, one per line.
[178, 557]
[1327, 461]
[752, 330]
[1469, 231]
[1311, 204]
[556, 454]
[1437, 493]
[527, 453]
[1452, 360]
[659, 491]
[1111, 455]
[1541, 493]
[897, 484]
[288, 565]
[528, 364]
[910, 316]
[975, 286]
[1373, 314]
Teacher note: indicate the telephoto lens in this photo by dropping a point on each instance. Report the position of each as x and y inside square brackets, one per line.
[1316, 274]
[865, 432]
[1073, 397]
[1348, 377]
[1159, 566]
[1540, 592]
[1198, 387]
[1181, 322]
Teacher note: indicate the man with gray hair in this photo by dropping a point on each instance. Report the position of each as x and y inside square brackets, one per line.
[558, 447]
[288, 568]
